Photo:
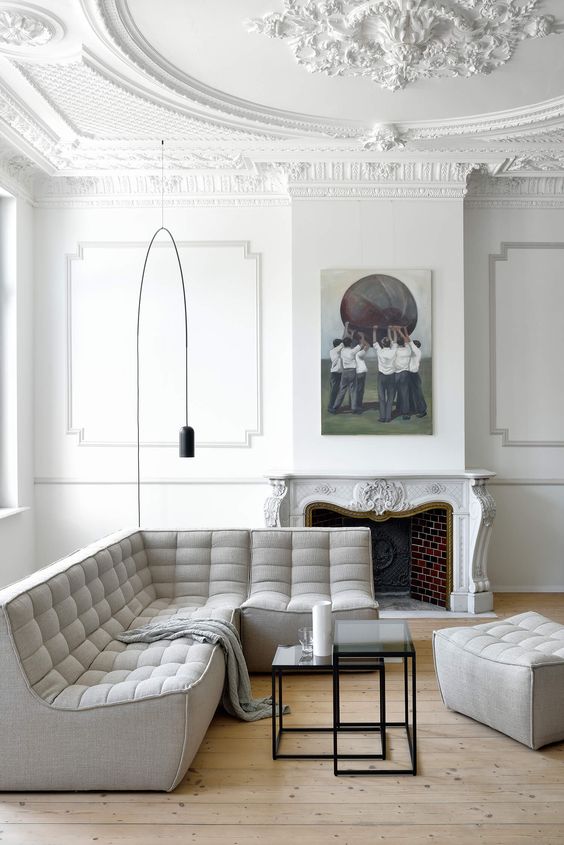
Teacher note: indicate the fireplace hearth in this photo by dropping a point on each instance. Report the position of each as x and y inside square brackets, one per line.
[411, 552]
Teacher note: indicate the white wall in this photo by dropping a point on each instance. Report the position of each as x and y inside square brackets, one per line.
[84, 491]
[422, 234]
[17, 529]
[526, 380]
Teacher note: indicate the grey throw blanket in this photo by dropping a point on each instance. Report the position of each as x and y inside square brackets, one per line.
[237, 693]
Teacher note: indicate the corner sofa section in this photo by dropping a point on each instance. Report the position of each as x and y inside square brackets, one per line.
[83, 711]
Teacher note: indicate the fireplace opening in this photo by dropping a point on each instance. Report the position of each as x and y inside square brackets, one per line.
[411, 550]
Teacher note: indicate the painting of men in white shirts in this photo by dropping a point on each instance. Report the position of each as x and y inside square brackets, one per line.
[336, 370]
[369, 357]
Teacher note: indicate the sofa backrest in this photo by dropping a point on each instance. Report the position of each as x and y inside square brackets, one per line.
[205, 567]
[62, 617]
[292, 567]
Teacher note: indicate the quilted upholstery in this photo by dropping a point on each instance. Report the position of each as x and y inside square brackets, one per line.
[508, 675]
[65, 627]
[60, 626]
[202, 567]
[80, 710]
[292, 569]
[140, 670]
[528, 639]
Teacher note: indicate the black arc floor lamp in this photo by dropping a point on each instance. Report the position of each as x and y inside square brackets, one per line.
[186, 438]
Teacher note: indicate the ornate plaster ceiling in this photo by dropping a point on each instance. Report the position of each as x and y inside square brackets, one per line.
[93, 85]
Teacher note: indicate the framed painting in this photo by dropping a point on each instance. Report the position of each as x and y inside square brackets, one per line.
[376, 352]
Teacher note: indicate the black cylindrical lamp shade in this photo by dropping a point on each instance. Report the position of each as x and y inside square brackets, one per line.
[186, 442]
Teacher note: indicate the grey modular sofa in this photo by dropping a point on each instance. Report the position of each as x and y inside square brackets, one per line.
[81, 710]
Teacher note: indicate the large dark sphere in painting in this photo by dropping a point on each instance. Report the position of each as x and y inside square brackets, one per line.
[378, 300]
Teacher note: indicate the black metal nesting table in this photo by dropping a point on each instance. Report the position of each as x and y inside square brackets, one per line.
[359, 645]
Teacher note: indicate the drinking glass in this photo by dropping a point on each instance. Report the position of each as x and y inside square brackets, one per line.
[306, 641]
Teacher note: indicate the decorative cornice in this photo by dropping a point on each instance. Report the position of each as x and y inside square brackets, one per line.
[16, 121]
[17, 172]
[265, 184]
[375, 180]
[533, 163]
[485, 191]
[395, 43]
[126, 190]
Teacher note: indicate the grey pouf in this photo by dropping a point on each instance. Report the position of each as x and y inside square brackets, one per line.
[508, 675]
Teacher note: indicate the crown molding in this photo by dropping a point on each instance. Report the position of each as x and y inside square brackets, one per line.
[17, 172]
[486, 191]
[377, 180]
[267, 184]
[141, 190]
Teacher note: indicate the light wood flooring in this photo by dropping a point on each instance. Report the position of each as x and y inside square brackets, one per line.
[474, 784]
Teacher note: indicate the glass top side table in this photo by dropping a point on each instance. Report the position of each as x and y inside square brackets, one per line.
[290, 660]
[362, 640]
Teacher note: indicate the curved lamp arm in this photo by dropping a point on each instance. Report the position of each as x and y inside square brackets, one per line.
[186, 445]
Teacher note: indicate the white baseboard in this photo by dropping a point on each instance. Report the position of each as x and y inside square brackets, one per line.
[536, 589]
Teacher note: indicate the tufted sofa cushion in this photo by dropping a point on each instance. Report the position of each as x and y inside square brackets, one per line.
[507, 674]
[197, 568]
[134, 671]
[61, 625]
[291, 570]
[528, 639]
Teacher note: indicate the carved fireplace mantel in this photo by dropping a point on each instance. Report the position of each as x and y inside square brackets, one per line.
[473, 509]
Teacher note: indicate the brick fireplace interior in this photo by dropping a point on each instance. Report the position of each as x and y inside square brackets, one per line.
[412, 551]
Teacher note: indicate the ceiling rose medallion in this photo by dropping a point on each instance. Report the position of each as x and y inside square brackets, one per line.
[22, 28]
[397, 42]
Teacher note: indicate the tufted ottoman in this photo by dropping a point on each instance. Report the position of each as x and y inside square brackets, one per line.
[508, 675]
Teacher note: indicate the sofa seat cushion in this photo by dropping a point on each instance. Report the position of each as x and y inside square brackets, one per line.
[127, 672]
[528, 639]
[137, 670]
[224, 607]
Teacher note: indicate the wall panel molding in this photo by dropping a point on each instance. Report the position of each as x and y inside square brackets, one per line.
[263, 482]
[494, 259]
[73, 428]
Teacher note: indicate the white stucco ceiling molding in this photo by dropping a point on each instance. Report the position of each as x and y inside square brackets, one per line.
[397, 42]
[114, 23]
[488, 191]
[376, 179]
[27, 132]
[17, 172]
[385, 138]
[25, 28]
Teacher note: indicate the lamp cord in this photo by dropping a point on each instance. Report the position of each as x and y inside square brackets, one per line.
[169, 233]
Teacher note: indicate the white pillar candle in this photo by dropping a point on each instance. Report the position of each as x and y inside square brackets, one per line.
[322, 629]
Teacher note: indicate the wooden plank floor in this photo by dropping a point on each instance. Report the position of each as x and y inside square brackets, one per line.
[474, 786]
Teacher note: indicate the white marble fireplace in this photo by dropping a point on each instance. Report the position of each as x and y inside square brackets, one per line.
[465, 494]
